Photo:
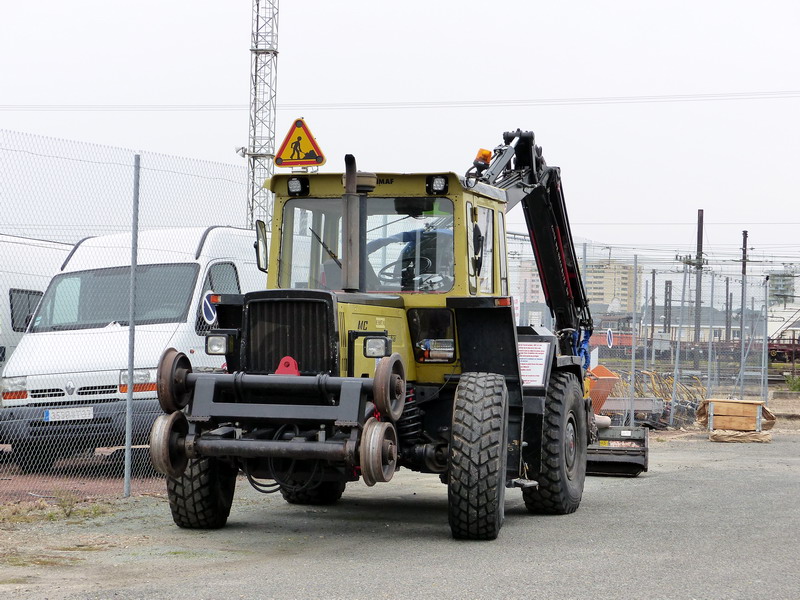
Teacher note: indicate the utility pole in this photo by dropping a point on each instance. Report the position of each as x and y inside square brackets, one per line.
[698, 263]
[728, 309]
[653, 309]
[744, 307]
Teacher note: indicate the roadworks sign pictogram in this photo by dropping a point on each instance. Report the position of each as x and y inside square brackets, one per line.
[299, 148]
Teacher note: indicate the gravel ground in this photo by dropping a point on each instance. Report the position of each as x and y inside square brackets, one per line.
[708, 520]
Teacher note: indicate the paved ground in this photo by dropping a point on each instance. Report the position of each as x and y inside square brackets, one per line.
[708, 521]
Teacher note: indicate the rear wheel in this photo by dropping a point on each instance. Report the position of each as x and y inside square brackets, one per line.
[201, 498]
[564, 443]
[324, 493]
[477, 458]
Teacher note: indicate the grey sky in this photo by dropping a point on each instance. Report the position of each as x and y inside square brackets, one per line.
[628, 165]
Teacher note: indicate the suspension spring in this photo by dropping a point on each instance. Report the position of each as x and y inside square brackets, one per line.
[409, 425]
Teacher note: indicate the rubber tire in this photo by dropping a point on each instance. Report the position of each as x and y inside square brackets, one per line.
[324, 494]
[201, 498]
[477, 457]
[560, 486]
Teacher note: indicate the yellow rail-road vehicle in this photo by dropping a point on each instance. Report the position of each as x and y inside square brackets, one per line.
[386, 338]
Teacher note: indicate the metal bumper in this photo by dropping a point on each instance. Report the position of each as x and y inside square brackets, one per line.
[341, 400]
[107, 425]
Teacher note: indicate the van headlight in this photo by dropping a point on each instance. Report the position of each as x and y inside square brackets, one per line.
[14, 388]
[144, 380]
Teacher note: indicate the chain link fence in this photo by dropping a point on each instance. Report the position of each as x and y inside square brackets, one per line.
[67, 211]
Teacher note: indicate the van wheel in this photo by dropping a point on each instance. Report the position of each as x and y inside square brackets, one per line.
[201, 498]
[33, 457]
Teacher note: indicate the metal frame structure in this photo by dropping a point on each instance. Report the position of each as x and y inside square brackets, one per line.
[263, 88]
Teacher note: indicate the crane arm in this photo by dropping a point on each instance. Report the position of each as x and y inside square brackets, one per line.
[518, 167]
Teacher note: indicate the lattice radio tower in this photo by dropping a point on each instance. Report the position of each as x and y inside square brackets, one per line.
[263, 84]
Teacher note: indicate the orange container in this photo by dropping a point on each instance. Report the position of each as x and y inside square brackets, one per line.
[602, 382]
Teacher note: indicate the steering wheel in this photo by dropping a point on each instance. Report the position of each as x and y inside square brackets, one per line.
[389, 274]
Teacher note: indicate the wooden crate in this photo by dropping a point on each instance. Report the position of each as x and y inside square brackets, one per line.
[736, 415]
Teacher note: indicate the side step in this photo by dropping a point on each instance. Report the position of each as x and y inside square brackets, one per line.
[619, 451]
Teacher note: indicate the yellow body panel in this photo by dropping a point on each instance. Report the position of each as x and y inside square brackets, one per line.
[365, 317]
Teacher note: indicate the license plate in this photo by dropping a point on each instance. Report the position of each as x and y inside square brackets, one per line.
[78, 413]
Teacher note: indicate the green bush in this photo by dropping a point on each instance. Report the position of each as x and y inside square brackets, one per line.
[793, 383]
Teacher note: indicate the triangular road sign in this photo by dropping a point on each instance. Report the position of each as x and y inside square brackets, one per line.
[299, 148]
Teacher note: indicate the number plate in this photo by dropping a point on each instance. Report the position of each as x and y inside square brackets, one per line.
[69, 414]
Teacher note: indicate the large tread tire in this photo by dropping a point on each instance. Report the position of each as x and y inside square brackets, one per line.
[201, 498]
[564, 450]
[323, 494]
[477, 457]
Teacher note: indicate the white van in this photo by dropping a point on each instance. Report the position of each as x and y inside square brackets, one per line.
[26, 267]
[65, 387]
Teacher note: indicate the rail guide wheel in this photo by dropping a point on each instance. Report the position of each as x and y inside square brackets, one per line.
[167, 449]
[173, 393]
[378, 451]
[390, 386]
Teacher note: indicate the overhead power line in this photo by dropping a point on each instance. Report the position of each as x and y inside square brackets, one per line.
[403, 105]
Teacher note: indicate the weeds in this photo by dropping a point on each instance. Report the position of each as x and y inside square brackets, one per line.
[793, 383]
[65, 505]
[66, 501]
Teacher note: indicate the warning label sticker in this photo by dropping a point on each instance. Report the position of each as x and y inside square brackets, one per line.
[532, 361]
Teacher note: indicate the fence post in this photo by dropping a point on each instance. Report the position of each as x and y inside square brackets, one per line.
[709, 382]
[633, 340]
[677, 371]
[764, 347]
[644, 324]
[131, 327]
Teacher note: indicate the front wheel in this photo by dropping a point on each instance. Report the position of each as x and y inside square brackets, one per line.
[202, 496]
[564, 448]
[477, 458]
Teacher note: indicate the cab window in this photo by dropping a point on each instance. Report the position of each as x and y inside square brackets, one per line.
[486, 274]
[409, 244]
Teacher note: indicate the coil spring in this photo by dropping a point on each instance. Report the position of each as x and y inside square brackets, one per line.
[409, 425]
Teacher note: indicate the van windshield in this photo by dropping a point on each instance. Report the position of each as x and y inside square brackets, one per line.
[101, 297]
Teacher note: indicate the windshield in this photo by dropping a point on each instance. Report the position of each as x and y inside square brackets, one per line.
[409, 244]
[97, 298]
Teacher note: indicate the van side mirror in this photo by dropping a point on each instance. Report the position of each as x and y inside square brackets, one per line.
[262, 256]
